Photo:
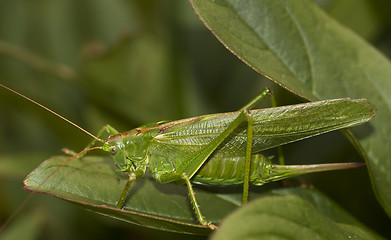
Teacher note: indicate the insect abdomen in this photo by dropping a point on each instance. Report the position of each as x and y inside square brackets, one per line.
[229, 171]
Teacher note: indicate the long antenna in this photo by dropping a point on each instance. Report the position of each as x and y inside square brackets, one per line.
[51, 111]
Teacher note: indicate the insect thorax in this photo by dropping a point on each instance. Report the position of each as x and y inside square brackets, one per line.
[129, 150]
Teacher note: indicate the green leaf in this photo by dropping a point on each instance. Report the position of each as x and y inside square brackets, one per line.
[291, 214]
[93, 183]
[298, 46]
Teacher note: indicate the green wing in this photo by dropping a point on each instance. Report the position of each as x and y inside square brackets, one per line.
[272, 127]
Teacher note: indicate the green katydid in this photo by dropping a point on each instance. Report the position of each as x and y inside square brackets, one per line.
[223, 148]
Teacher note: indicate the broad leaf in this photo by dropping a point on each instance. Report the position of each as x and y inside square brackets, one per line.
[298, 46]
[291, 214]
[93, 183]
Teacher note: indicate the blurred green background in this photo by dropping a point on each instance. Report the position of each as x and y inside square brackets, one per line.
[127, 63]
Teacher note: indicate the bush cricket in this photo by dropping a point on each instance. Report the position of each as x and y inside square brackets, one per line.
[224, 148]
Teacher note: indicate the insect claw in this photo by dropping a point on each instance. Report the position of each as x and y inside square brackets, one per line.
[211, 226]
[68, 151]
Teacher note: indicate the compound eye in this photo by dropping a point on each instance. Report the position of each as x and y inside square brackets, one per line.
[113, 150]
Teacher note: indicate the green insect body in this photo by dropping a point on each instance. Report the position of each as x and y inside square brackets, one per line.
[211, 149]
[224, 148]
[164, 147]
